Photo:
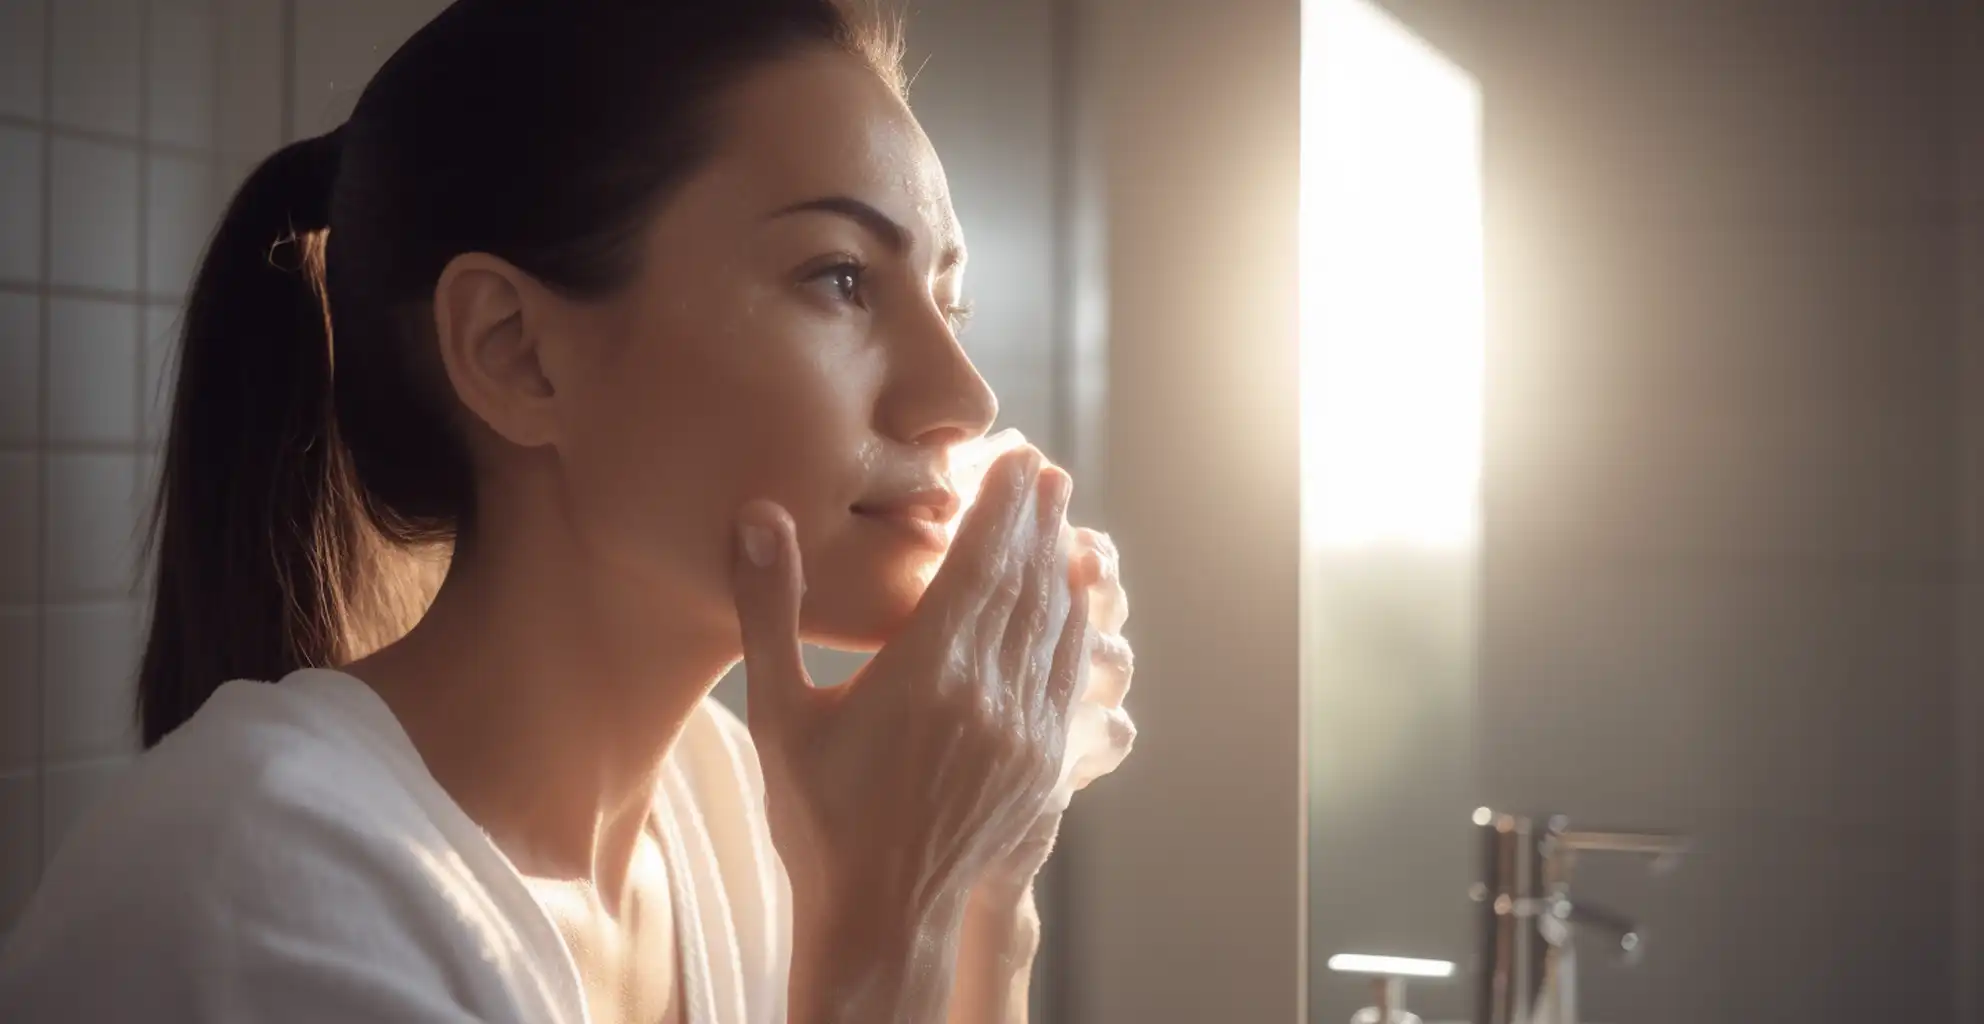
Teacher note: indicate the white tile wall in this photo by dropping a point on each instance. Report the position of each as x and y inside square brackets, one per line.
[87, 706]
[131, 109]
[20, 527]
[20, 841]
[23, 34]
[92, 371]
[94, 198]
[180, 75]
[144, 493]
[20, 204]
[160, 355]
[89, 533]
[69, 791]
[20, 719]
[96, 68]
[179, 215]
[20, 367]
[248, 108]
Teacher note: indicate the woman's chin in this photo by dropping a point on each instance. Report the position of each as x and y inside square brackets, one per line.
[863, 613]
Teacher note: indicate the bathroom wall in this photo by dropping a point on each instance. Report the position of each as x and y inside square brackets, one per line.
[1722, 540]
[1722, 549]
[121, 124]
[1185, 880]
[1968, 944]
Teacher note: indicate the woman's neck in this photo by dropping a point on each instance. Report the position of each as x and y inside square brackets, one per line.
[544, 695]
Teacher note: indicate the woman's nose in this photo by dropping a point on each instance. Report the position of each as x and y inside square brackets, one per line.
[935, 395]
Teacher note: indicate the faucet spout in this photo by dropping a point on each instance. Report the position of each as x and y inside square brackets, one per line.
[1529, 918]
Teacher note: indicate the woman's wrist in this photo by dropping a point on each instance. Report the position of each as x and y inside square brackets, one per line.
[856, 961]
[1006, 917]
[996, 948]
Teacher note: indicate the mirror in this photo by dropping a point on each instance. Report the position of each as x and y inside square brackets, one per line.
[1392, 353]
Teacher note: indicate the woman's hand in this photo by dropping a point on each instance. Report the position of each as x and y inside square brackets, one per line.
[1002, 928]
[890, 796]
[1100, 733]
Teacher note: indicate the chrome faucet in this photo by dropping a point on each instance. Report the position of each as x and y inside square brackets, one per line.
[1528, 918]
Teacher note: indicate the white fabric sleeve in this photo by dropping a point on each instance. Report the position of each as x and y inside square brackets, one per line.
[281, 912]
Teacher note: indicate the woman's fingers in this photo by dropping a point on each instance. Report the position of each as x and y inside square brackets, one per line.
[980, 555]
[1004, 599]
[1103, 737]
[1070, 664]
[767, 585]
[1111, 664]
[1032, 626]
[1111, 607]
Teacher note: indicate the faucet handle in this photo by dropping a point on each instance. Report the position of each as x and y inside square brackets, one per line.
[1623, 934]
[1663, 850]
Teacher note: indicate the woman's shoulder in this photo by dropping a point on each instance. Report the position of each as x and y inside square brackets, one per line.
[261, 789]
[258, 760]
[272, 833]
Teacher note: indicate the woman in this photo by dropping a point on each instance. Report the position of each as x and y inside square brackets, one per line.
[644, 327]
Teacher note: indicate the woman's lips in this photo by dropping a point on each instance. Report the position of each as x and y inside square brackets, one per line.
[919, 517]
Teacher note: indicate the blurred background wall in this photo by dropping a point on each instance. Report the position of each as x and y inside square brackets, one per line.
[1969, 942]
[1183, 870]
[1724, 561]
[1723, 554]
[1725, 567]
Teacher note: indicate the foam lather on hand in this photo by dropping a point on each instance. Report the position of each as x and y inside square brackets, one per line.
[969, 462]
[1100, 733]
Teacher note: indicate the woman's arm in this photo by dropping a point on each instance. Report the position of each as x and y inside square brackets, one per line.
[978, 962]
[856, 966]
[1001, 933]
[996, 947]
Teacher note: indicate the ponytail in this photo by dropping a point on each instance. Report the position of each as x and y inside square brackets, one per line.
[256, 516]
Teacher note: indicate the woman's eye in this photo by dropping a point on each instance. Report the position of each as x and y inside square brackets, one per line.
[844, 280]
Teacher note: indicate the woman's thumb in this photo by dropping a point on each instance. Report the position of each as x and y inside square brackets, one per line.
[767, 582]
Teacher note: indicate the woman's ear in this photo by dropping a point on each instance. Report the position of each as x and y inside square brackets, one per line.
[490, 321]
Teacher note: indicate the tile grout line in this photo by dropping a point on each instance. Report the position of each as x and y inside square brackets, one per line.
[75, 763]
[98, 136]
[79, 448]
[1968, 1000]
[42, 418]
[92, 292]
[139, 425]
[286, 89]
[88, 600]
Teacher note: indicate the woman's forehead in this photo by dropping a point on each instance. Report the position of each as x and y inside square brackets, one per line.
[824, 125]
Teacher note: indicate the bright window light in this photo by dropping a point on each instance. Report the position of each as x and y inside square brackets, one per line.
[1391, 966]
[1391, 301]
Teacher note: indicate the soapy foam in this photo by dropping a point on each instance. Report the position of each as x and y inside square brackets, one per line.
[1099, 732]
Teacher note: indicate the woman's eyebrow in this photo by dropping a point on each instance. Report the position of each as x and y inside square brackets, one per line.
[885, 229]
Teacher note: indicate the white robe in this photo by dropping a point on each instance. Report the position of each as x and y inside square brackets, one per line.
[285, 856]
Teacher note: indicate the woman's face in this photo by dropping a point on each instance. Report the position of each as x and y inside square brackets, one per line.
[791, 335]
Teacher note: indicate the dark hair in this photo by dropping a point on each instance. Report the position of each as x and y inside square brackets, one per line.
[295, 497]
